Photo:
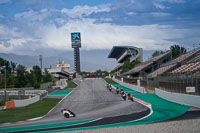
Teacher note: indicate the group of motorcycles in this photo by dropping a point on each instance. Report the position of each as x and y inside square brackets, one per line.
[121, 92]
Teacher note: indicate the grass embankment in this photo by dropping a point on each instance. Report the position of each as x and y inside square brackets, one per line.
[109, 81]
[32, 111]
[70, 85]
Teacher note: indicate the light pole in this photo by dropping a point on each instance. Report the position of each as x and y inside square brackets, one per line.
[5, 78]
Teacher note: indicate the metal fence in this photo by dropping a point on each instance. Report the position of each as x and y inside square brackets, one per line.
[143, 81]
[170, 83]
[178, 84]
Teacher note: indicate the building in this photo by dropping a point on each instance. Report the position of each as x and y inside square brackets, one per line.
[63, 71]
[125, 53]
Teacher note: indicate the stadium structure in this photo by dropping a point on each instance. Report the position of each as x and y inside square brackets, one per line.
[125, 53]
[163, 72]
[62, 71]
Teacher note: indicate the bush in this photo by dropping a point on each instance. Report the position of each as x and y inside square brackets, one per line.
[2, 103]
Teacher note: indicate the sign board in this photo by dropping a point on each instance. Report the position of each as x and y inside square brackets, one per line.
[76, 39]
[75, 45]
[190, 89]
[63, 65]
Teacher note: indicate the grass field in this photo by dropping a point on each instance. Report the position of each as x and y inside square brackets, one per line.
[32, 111]
[109, 81]
[70, 85]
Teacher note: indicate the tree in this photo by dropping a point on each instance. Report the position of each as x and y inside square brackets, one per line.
[177, 50]
[21, 77]
[37, 73]
[13, 66]
[129, 65]
[156, 53]
[47, 76]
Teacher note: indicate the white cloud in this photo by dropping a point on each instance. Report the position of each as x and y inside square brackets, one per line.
[131, 13]
[52, 31]
[33, 16]
[159, 5]
[106, 35]
[171, 1]
[160, 14]
[79, 11]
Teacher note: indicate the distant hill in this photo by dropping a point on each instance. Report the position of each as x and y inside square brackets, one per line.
[30, 61]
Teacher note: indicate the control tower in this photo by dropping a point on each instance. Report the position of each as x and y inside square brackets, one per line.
[76, 44]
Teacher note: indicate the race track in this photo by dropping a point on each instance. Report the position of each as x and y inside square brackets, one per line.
[90, 101]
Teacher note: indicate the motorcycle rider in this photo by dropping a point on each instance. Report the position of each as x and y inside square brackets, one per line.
[130, 97]
[117, 90]
[121, 91]
[110, 87]
[67, 113]
[123, 96]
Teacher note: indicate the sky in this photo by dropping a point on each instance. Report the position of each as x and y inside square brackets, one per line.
[33, 27]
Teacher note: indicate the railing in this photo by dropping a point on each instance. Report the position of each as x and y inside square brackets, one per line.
[170, 83]
[178, 84]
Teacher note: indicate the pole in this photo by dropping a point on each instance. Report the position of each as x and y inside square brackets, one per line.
[5, 79]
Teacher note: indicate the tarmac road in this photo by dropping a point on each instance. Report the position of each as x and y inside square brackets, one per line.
[90, 100]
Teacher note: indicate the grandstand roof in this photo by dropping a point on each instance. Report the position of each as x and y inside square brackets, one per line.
[116, 50]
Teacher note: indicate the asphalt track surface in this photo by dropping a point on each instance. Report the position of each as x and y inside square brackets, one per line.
[90, 100]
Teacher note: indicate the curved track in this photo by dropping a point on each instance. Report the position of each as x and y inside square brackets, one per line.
[90, 101]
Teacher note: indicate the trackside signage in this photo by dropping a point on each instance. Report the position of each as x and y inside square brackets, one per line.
[27, 92]
[190, 89]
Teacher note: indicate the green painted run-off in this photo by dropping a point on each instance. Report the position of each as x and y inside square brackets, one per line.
[162, 110]
[60, 93]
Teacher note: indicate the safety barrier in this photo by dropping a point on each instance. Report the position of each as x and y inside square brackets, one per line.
[10, 104]
[184, 99]
[25, 102]
[131, 86]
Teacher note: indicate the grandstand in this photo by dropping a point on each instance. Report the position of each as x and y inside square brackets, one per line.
[167, 74]
[150, 65]
[125, 53]
[173, 64]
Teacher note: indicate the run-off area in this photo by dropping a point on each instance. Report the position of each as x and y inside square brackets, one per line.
[91, 100]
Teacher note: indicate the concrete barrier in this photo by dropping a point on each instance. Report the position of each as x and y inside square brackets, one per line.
[25, 102]
[131, 86]
[185, 99]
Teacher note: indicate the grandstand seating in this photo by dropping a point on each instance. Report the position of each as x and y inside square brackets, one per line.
[169, 65]
[147, 63]
[187, 68]
[160, 71]
[185, 56]
[195, 59]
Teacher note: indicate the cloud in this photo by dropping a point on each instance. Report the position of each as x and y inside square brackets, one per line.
[101, 27]
[79, 11]
[160, 14]
[106, 35]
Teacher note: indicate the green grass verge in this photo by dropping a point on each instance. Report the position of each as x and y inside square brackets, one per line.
[109, 81]
[70, 85]
[37, 109]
